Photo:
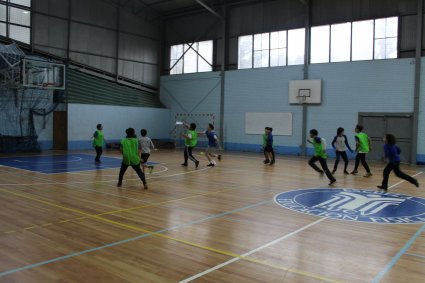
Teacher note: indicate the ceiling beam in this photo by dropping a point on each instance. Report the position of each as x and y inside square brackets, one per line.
[209, 9]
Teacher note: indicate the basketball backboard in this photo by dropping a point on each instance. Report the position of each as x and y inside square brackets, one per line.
[43, 74]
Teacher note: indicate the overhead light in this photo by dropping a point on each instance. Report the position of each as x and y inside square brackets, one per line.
[25, 12]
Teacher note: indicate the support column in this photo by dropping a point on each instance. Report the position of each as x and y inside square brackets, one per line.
[305, 76]
[418, 55]
[224, 58]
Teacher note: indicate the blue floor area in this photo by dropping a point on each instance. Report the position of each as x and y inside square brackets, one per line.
[50, 164]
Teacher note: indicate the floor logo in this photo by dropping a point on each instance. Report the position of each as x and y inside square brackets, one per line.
[355, 205]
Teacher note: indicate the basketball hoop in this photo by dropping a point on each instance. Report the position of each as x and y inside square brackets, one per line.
[303, 94]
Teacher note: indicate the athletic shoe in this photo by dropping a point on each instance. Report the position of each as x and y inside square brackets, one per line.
[211, 165]
[272, 162]
[145, 186]
[219, 157]
[346, 172]
[184, 164]
[354, 172]
[119, 184]
[321, 173]
[416, 183]
[382, 189]
[333, 172]
[368, 175]
[266, 161]
[150, 169]
[196, 164]
[332, 183]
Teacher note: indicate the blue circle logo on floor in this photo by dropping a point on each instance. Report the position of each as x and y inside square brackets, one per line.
[355, 205]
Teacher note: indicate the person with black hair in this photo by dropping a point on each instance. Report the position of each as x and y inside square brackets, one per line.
[320, 155]
[268, 146]
[340, 144]
[392, 153]
[213, 144]
[130, 157]
[98, 140]
[191, 140]
[146, 145]
[363, 147]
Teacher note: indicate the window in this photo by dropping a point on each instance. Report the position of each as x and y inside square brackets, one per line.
[296, 42]
[362, 45]
[261, 50]
[191, 57]
[386, 31]
[15, 22]
[277, 48]
[340, 42]
[245, 52]
[269, 49]
[320, 44]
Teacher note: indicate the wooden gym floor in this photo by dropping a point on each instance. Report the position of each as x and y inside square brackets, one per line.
[216, 224]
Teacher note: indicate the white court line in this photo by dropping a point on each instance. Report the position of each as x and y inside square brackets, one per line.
[50, 162]
[104, 181]
[266, 245]
[115, 175]
[252, 251]
[396, 184]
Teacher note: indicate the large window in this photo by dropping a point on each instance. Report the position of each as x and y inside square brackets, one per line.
[386, 31]
[191, 58]
[363, 40]
[15, 20]
[272, 49]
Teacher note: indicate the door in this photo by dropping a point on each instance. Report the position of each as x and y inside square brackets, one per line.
[60, 130]
[376, 125]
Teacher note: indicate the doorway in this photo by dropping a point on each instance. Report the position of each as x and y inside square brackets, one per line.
[376, 125]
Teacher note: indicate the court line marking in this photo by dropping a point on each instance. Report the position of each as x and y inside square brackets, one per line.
[245, 255]
[415, 255]
[403, 250]
[158, 234]
[103, 181]
[400, 253]
[125, 209]
[50, 162]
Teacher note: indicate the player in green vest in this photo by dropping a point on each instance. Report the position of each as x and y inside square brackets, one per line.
[98, 140]
[320, 155]
[190, 141]
[363, 146]
[131, 157]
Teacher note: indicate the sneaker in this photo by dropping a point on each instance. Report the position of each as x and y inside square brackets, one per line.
[333, 172]
[272, 162]
[321, 173]
[266, 161]
[332, 183]
[145, 186]
[184, 164]
[119, 184]
[368, 174]
[211, 165]
[150, 169]
[346, 172]
[219, 157]
[196, 164]
[354, 172]
[382, 189]
[416, 183]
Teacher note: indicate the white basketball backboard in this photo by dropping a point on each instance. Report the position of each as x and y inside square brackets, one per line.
[305, 92]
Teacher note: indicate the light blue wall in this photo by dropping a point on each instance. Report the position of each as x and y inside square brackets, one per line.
[348, 88]
[197, 94]
[83, 118]
[260, 90]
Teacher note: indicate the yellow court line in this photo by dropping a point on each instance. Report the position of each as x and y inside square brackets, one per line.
[134, 228]
[123, 210]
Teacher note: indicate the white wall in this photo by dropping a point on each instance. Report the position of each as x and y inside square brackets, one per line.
[82, 121]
